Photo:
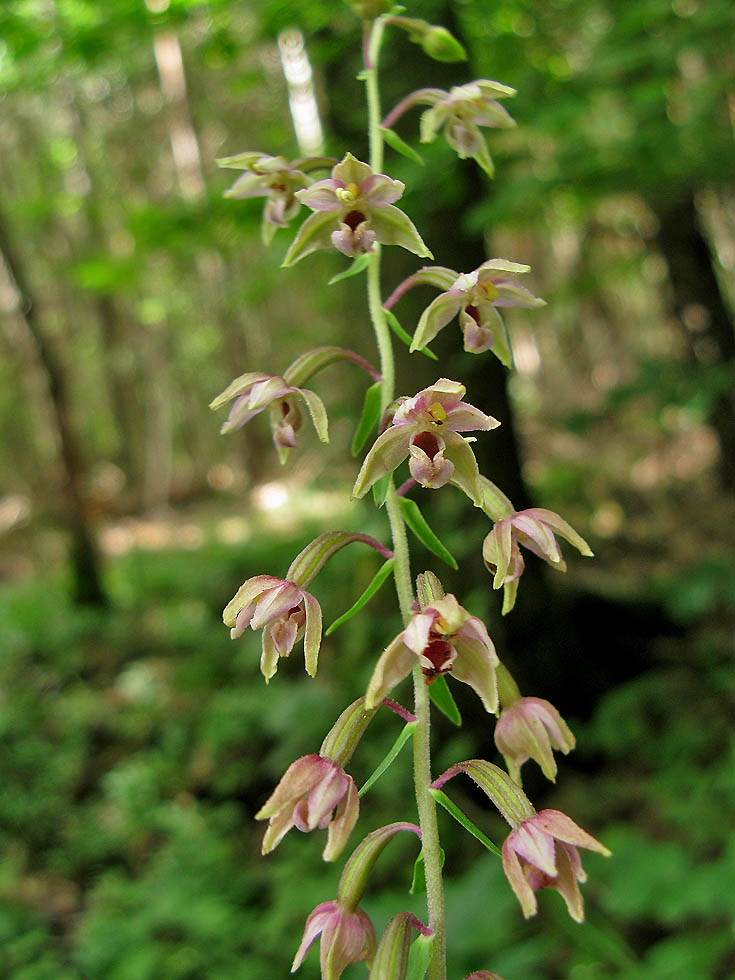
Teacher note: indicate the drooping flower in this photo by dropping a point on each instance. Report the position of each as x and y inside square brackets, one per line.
[426, 429]
[314, 792]
[542, 853]
[534, 529]
[461, 111]
[446, 639]
[476, 297]
[275, 178]
[346, 936]
[254, 392]
[353, 209]
[285, 612]
[531, 728]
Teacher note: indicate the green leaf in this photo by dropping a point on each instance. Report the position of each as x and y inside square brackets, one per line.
[380, 489]
[442, 697]
[357, 266]
[369, 417]
[395, 142]
[380, 576]
[405, 337]
[388, 761]
[418, 885]
[417, 522]
[418, 957]
[443, 800]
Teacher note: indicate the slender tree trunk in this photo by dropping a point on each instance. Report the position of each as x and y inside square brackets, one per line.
[85, 563]
[696, 291]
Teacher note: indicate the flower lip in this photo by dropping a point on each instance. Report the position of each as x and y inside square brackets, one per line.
[354, 218]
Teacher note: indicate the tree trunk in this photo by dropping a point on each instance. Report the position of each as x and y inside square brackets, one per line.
[85, 563]
[695, 290]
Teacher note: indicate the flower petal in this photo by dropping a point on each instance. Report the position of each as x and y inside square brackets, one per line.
[535, 846]
[313, 634]
[388, 451]
[513, 294]
[248, 591]
[393, 227]
[563, 828]
[317, 411]
[239, 386]
[539, 534]
[250, 185]
[517, 880]
[463, 417]
[380, 190]
[275, 603]
[297, 780]
[476, 664]
[436, 316]
[395, 663]
[341, 827]
[319, 918]
[466, 473]
[321, 196]
[350, 170]
[313, 234]
[560, 526]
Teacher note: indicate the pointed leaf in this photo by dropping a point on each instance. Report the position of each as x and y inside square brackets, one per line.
[380, 576]
[443, 800]
[418, 957]
[357, 266]
[390, 758]
[380, 490]
[417, 522]
[418, 885]
[369, 418]
[442, 697]
[398, 330]
[395, 142]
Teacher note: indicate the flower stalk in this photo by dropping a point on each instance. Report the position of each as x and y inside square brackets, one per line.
[402, 570]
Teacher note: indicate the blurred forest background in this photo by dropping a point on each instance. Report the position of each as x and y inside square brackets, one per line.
[137, 741]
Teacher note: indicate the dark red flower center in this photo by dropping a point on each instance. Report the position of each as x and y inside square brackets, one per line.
[354, 218]
[439, 653]
[428, 442]
[474, 313]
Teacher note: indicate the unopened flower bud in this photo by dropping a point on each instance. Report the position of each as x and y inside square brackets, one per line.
[440, 45]
[391, 956]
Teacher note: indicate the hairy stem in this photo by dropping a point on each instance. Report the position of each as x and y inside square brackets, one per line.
[402, 569]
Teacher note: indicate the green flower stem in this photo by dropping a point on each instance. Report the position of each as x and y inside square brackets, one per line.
[402, 570]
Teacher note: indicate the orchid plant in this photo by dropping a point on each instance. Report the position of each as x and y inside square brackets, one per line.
[353, 212]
